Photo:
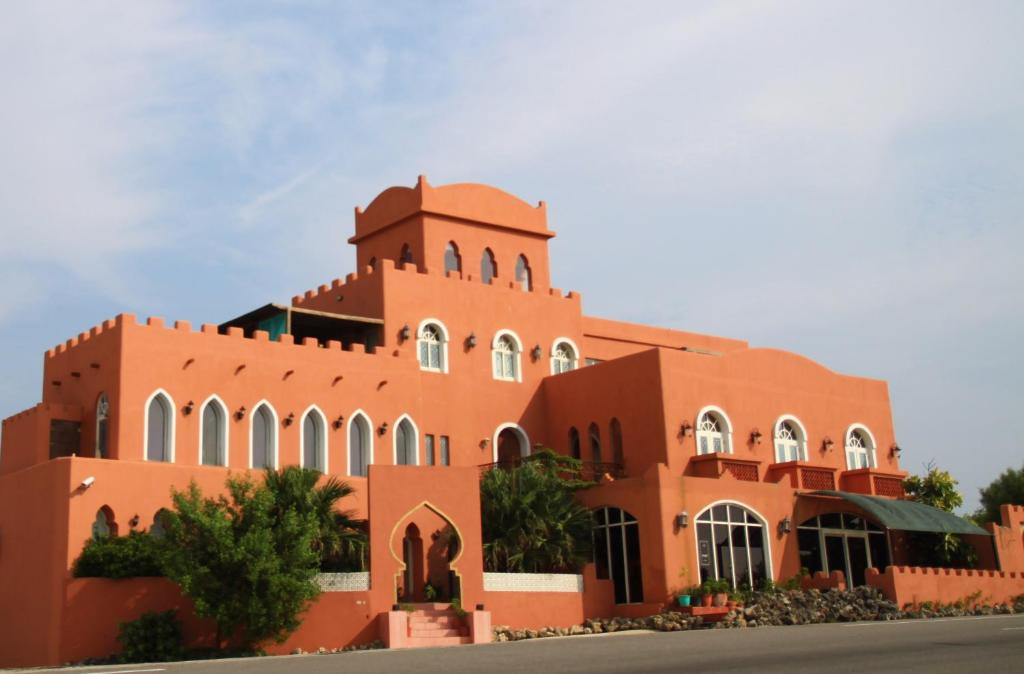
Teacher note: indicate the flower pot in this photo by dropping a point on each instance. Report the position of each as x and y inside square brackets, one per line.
[730, 604]
[721, 598]
[706, 599]
[683, 599]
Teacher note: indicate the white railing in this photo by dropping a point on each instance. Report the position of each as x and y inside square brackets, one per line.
[532, 582]
[344, 582]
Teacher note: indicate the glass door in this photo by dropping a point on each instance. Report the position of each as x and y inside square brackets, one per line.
[857, 553]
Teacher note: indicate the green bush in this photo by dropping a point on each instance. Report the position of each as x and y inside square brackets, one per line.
[154, 637]
[136, 554]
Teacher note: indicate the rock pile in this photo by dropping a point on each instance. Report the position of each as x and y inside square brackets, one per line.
[341, 649]
[669, 621]
[803, 607]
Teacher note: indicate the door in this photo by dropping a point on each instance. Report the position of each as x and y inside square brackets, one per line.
[858, 558]
[835, 554]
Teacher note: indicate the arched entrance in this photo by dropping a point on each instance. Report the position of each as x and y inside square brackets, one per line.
[510, 445]
[430, 547]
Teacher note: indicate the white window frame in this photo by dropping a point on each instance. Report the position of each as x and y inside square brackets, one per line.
[442, 341]
[517, 356]
[168, 431]
[524, 440]
[725, 433]
[359, 413]
[574, 362]
[276, 434]
[415, 443]
[321, 449]
[765, 535]
[870, 452]
[801, 441]
[214, 400]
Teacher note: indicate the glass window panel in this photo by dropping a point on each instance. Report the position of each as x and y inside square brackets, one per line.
[853, 522]
[309, 442]
[831, 521]
[740, 557]
[813, 522]
[704, 516]
[614, 516]
[445, 455]
[601, 517]
[810, 549]
[736, 514]
[634, 569]
[879, 550]
[626, 517]
[618, 564]
[751, 519]
[601, 548]
[758, 561]
[721, 532]
[719, 513]
[429, 441]
[211, 440]
[156, 439]
[705, 559]
[835, 554]
[873, 527]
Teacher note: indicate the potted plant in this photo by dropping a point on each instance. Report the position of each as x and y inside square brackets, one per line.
[683, 596]
[721, 592]
[707, 592]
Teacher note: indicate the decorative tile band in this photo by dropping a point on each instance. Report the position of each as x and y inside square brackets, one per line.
[344, 582]
[532, 582]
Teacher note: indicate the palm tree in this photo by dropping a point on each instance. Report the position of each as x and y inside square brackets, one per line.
[341, 540]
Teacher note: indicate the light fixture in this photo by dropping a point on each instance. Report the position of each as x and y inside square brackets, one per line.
[536, 352]
[895, 450]
[686, 429]
[785, 525]
[290, 419]
[755, 436]
[826, 444]
[383, 428]
[471, 341]
[683, 519]
[484, 443]
[240, 413]
[337, 422]
[187, 410]
[404, 333]
[87, 482]
[134, 522]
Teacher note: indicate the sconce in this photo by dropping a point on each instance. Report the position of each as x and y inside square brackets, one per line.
[383, 428]
[755, 436]
[337, 422]
[484, 443]
[785, 525]
[683, 519]
[895, 450]
[826, 444]
[133, 522]
[471, 341]
[536, 352]
[686, 429]
[240, 413]
[187, 409]
[404, 333]
[290, 419]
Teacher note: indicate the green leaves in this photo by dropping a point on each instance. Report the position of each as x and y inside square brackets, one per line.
[938, 489]
[137, 554]
[1007, 488]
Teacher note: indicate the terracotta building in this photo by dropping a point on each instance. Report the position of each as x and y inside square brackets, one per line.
[446, 353]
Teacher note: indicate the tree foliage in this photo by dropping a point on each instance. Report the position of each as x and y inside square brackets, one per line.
[153, 637]
[938, 489]
[1007, 488]
[137, 554]
[245, 561]
[530, 517]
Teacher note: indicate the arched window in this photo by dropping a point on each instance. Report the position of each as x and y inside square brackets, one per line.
[790, 440]
[488, 267]
[732, 544]
[314, 440]
[844, 542]
[511, 444]
[102, 426]
[563, 357]
[372, 263]
[860, 448]
[452, 259]
[617, 553]
[360, 445]
[524, 279]
[405, 256]
[714, 433]
[213, 433]
[615, 434]
[263, 450]
[595, 443]
[432, 340]
[157, 529]
[159, 428]
[103, 526]
[406, 443]
[574, 443]
[506, 349]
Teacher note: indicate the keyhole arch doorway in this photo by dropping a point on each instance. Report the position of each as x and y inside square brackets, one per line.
[427, 546]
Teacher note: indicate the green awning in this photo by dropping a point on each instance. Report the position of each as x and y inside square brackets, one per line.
[907, 515]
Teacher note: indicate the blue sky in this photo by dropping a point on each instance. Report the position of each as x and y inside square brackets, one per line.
[843, 180]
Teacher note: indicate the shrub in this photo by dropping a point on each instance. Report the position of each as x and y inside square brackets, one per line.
[154, 637]
[136, 554]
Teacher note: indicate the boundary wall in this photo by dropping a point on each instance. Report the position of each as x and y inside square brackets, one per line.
[915, 585]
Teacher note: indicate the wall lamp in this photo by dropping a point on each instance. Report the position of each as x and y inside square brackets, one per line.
[134, 522]
[290, 419]
[895, 450]
[471, 341]
[338, 422]
[240, 413]
[683, 519]
[785, 525]
[383, 428]
[187, 409]
[404, 333]
[686, 429]
[755, 436]
[86, 483]
[826, 444]
[536, 352]
[484, 443]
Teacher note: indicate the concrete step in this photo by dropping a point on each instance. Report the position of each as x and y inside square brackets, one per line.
[431, 613]
[435, 621]
[430, 642]
[435, 632]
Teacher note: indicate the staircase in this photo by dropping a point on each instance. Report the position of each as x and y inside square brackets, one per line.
[436, 625]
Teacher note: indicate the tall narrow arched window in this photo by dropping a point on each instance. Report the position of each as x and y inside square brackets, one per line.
[860, 448]
[432, 340]
[102, 427]
[488, 267]
[574, 443]
[615, 437]
[406, 443]
[405, 256]
[505, 350]
[158, 528]
[524, 278]
[563, 357]
[314, 440]
[103, 526]
[595, 443]
[790, 440]
[360, 445]
[452, 259]
[714, 433]
[732, 545]
[263, 448]
[159, 428]
[213, 433]
[617, 553]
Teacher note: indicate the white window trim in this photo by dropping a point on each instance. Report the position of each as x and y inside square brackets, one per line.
[277, 439]
[726, 433]
[764, 523]
[801, 443]
[518, 355]
[215, 400]
[444, 344]
[348, 439]
[322, 449]
[416, 440]
[873, 449]
[524, 440]
[172, 425]
[575, 349]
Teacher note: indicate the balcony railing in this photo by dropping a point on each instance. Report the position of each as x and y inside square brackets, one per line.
[590, 470]
[873, 481]
[802, 475]
[722, 464]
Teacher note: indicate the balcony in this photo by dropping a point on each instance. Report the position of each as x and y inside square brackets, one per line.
[873, 481]
[725, 465]
[802, 475]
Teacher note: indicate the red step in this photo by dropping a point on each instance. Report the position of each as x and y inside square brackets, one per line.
[426, 642]
[434, 632]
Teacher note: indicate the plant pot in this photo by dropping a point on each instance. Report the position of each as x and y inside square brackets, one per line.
[730, 604]
[720, 598]
[683, 599]
[705, 600]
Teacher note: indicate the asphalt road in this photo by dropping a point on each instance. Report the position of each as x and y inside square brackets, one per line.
[981, 644]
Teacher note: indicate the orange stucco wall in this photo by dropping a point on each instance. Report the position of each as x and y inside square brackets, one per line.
[915, 585]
